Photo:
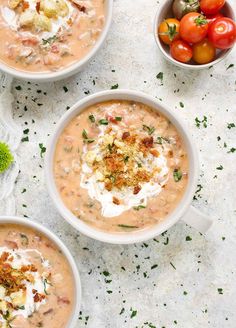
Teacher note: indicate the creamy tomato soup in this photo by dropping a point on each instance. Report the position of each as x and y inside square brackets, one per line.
[36, 282]
[48, 35]
[120, 165]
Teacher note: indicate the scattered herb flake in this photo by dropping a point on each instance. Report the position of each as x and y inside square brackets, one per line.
[42, 149]
[149, 129]
[154, 266]
[127, 226]
[115, 86]
[92, 118]
[139, 207]
[230, 125]
[220, 291]
[133, 313]
[103, 121]
[177, 174]
[230, 66]
[160, 76]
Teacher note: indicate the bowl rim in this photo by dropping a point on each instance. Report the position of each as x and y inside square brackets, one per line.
[174, 61]
[70, 69]
[10, 219]
[120, 238]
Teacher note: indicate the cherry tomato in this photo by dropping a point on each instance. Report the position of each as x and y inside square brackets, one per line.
[222, 33]
[183, 7]
[211, 7]
[203, 52]
[212, 18]
[169, 30]
[193, 27]
[181, 51]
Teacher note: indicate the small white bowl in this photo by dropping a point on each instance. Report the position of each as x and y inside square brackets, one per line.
[183, 210]
[47, 233]
[165, 11]
[68, 70]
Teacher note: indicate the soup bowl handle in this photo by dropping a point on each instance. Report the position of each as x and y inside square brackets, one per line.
[197, 219]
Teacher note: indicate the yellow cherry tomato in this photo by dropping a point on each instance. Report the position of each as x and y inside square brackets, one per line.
[168, 30]
[204, 52]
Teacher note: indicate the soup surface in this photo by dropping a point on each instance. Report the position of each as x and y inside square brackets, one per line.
[48, 35]
[120, 166]
[36, 282]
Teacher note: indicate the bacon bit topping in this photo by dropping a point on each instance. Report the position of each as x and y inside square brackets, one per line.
[25, 5]
[147, 142]
[125, 135]
[39, 297]
[12, 279]
[80, 7]
[37, 7]
[136, 189]
[116, 200]
[119, 163]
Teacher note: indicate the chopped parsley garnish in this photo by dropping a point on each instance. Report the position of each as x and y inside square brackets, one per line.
[127, 226]
[115, 86]
[203, 121]
[92, 118]
[126, 159]
[160, 76]
[133, 313]
[42, 149]
[45, 283]
[118, 118]
[230, 125]
[103, 121]
[86, 138]
[159, 140]
[188, 238]
[148, 129]
[231, 65]
[177, 174]
[49, 40]
[181, 104]
[220, 291]
[139, 207]
[220, 167]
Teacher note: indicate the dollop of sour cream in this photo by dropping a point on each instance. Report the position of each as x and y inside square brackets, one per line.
[24, 300]
[96, 189]
[11, 17]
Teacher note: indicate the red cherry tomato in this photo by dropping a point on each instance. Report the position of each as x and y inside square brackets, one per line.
[193, 27]
[222, 33]
[181, 51]
[212, 18]
[211, 7]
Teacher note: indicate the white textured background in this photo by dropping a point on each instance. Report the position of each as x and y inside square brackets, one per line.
[141, 277]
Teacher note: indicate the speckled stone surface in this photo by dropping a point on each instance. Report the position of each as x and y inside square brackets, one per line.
[180, 279]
